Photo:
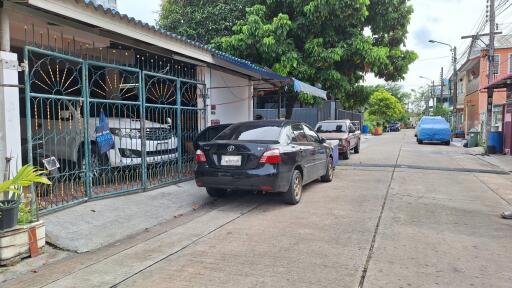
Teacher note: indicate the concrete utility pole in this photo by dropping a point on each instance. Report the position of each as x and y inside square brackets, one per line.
[442, 88]
[455, 88]
[492, 27]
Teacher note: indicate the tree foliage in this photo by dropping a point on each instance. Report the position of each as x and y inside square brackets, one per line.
[330, 42]
[440, 110]
[385, 107]
[202, 20]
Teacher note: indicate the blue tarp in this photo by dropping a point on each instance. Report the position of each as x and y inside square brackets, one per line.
[434, 129]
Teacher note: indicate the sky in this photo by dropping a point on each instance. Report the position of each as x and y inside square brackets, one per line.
[441, 20]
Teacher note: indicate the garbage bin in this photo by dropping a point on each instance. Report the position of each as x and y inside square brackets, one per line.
[495, 142]
[473, 139]
[366, 128]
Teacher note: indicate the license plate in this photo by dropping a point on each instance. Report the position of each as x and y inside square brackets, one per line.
[162, 146]
[228, 160]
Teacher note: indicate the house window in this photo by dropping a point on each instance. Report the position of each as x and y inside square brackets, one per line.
[496, 65]
[497, 117]
[509, 63]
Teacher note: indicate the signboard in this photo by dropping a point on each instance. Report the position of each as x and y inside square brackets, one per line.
[215, 122]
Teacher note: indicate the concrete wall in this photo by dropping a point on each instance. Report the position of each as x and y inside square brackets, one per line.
[10, 135]
[231, 95]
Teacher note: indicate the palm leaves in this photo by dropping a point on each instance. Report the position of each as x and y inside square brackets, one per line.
[27, 175]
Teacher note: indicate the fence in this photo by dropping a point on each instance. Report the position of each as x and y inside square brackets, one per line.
[313, 115]
[153, 110]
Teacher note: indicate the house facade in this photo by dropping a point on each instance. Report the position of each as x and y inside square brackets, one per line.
[473, 77]
[72, 71]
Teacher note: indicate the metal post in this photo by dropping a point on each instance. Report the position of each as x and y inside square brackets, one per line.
[442, 88]
[455, 84]
[87, 142]
[33, 203]
[142, 100]
[492, 26]
[180, 152]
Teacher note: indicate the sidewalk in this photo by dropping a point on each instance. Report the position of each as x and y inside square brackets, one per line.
[95, 224]
[502, 161]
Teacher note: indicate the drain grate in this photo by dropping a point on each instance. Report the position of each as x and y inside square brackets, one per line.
[423, 167]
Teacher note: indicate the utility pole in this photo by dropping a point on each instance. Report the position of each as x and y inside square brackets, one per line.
[492, 27]
[432, 95]
[455, 88]
[442, 88]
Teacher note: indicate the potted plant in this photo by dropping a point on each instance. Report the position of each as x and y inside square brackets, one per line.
[12, 188]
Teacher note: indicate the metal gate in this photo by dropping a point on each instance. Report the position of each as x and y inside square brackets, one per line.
[154, 111]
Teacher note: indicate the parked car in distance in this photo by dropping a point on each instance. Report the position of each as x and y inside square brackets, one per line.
[356, 125]
[433, 129]
[394, 126]
[264, 155]
[344, 131]
[208, 134]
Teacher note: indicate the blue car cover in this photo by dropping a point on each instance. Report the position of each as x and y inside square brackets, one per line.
[434, 129]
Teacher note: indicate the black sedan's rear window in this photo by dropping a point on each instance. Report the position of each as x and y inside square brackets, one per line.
[250, 132]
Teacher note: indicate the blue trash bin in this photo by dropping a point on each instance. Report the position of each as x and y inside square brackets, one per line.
[366, 129]
[496, 140]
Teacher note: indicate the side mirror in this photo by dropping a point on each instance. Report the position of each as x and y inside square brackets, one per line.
[351, 130]
[322, 140]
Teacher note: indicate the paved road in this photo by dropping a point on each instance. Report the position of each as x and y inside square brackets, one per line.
[380, 223]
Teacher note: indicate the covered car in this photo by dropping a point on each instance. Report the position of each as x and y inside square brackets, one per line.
[433, 129]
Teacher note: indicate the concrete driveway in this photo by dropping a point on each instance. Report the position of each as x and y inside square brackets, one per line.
[397, 215]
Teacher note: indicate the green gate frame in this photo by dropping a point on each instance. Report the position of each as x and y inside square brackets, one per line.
[83, 68]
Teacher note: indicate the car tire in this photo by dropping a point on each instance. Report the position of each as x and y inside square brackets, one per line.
[447, 143]
[358, 146]
[294, 193]
[329, 174]
[345, 155]
[216, 192]
[419, 141]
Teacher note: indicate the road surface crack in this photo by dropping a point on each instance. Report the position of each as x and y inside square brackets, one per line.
[376, 231]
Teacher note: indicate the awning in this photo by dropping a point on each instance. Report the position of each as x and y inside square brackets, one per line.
[502, 82]
[299, 86]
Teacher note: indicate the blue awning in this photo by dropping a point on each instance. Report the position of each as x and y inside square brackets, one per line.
[299, 86]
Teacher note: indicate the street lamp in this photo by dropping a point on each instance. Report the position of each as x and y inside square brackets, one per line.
[431, 95]
[453, 50]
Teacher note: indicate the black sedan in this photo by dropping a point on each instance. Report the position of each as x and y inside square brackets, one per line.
[265, 155]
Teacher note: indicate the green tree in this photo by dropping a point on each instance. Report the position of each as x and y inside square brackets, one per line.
[385, 107]
[330, 42]
[322, 41]
[201, 20]
[396, 90]
[440, 110]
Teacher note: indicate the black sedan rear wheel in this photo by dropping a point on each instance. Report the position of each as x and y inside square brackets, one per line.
[329, 174]
[216, 192]
[294, 193]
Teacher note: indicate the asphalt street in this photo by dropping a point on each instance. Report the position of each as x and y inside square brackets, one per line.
[398, 214]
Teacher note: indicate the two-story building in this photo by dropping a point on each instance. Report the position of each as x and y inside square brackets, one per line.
[473, 77]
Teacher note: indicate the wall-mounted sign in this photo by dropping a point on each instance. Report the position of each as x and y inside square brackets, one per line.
[215, 122]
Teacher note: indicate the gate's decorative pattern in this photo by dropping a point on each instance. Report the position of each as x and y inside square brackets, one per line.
[153, 117]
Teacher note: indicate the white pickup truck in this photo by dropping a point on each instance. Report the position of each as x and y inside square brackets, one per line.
[62, 133]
